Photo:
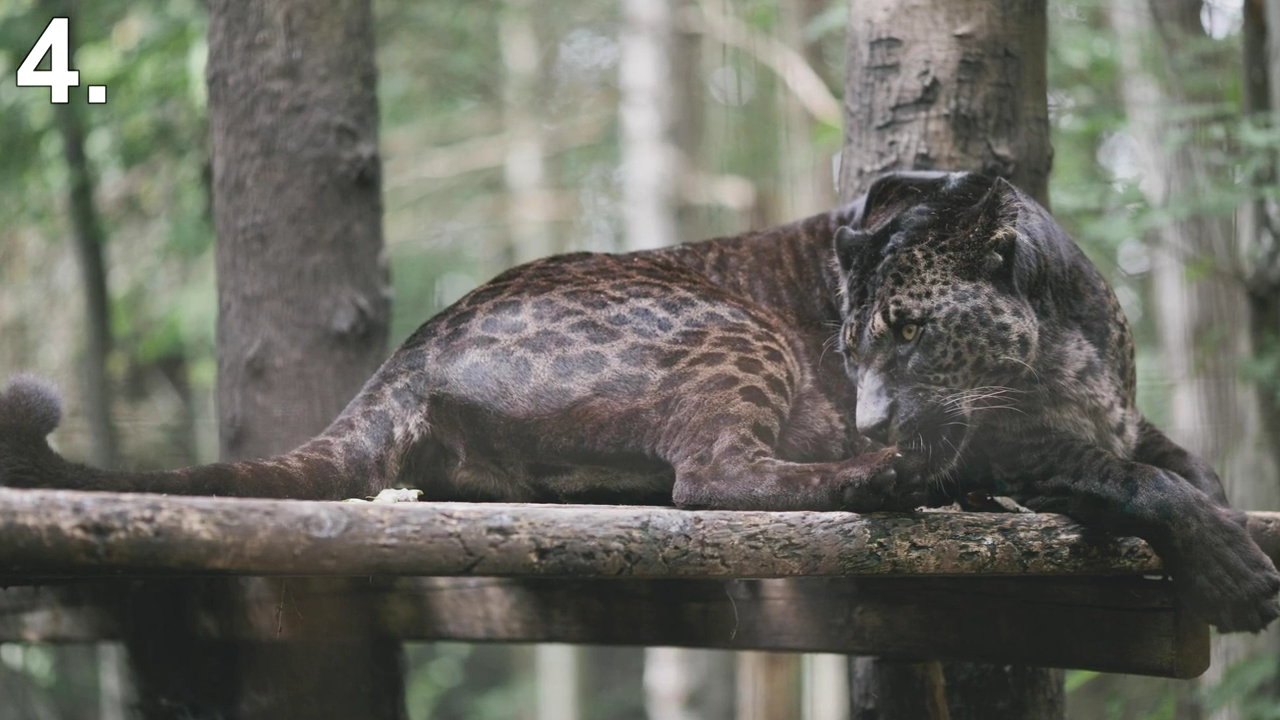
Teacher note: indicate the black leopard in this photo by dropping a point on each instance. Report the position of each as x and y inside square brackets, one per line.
[954, 341]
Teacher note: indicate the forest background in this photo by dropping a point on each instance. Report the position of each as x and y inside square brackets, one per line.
[520, 128]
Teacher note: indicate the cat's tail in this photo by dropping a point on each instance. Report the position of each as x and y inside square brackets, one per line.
[340, 463]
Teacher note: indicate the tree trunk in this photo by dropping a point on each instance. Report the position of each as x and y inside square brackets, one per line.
[1201, 317]
[524, 168]
[653, 173]
[688, 684]
[954, 85]
[768, 685]
[554, 668]
[89, 238]
[556, 672]
[1260, 222]
[889, 690]
[651, 164]
[302, 324]
[87, 234]
[808, 188]
[826, 687]
[302, 292]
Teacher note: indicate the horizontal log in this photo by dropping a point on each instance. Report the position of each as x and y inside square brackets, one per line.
[1117, 624]
[46, 533]
[922, 585]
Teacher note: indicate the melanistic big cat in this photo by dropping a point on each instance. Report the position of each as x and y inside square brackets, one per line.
[955, 323]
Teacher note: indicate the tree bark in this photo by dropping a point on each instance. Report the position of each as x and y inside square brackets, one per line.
[956, 85]
[302, 293]
[303, 312]
[893, 689]
[953, 85]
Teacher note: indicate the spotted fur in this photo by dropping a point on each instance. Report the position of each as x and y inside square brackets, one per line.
[1018, 379]
[732, 374]
[700, 375]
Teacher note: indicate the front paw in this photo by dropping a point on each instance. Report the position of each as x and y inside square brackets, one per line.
[1224, 578]
[884, 480]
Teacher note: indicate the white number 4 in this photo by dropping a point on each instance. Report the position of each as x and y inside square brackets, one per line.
[54, 42]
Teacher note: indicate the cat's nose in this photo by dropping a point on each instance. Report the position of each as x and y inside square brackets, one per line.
[874, 411]
[875, 428]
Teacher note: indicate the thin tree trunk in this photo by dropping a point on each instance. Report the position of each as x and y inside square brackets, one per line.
[826, 687]
[651, 164]
[554, 667]
[557, 669]
[302, 324]
[688, 684]
[302, 290]
[955, 85]
[89, 239]
[112, 682]
[809, 188]
[1260, 222]
[1201, 318]
[659, 126]
[524, 168]
[768, 685]
[689, 137]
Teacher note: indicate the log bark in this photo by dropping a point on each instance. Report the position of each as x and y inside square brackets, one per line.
[47, 533]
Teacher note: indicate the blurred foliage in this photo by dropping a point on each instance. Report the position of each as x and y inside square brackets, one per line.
[443, 134]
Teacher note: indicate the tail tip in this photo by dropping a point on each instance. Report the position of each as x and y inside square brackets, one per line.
[29, 403]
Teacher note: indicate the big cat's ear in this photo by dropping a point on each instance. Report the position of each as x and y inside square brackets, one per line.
[894, 193]
[996, 222]
[848, 243]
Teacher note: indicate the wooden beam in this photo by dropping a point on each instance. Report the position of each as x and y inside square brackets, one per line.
[1113, 624]
[47, 533]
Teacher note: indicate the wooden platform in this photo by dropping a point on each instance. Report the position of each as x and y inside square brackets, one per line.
[1026, 589]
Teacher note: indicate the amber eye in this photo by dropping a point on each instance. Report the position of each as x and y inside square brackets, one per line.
[909, 332]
